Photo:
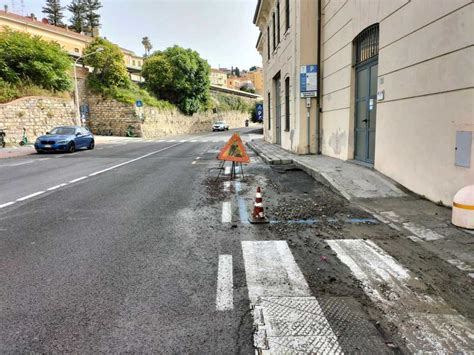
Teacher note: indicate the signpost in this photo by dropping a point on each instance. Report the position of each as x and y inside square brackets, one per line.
[139, 108]
[259, 109]
[309, 81]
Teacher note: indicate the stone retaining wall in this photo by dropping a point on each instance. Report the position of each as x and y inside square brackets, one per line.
[109, 117]
[37, 114]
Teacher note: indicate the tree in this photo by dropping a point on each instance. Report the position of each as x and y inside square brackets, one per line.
[54, 12]
[180, 76]
[92, 16]
[78, 20]
[254, 68]
[147, 44]
[109, 66]
[237, 71]
[25, 59]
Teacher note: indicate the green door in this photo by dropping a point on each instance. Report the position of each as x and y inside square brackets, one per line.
[366, 111]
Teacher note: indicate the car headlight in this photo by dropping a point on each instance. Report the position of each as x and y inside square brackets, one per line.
[62, 142]
[38, 141]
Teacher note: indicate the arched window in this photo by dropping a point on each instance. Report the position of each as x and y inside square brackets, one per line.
[367, 44]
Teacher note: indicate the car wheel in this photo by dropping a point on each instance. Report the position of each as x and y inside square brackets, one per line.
[71, 147]
[91, 145]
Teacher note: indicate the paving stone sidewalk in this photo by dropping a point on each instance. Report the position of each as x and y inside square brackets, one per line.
[349, 179]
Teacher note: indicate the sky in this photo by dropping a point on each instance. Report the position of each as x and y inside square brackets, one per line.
[221, 31]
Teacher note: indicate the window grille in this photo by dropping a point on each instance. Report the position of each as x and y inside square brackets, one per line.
[367, 44]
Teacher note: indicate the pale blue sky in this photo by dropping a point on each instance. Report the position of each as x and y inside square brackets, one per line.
[220, 30]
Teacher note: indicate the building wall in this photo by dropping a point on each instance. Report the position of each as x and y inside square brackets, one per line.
[74, 43]
[425, 69]
[296, 48]
[218, 78]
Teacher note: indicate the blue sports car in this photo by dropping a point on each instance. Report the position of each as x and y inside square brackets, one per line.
[65, 139]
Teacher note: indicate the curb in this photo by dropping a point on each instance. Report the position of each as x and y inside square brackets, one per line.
[318, 176]
[267, 159]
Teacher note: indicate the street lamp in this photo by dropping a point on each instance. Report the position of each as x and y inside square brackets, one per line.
[78, 112]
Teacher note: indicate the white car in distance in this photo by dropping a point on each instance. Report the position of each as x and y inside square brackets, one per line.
[220, 126]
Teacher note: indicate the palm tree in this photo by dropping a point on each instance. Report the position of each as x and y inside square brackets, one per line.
[148, 46]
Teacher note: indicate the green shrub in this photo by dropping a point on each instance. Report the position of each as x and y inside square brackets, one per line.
[231, 103]
[133, 93]
[179, 76]
[10, 92]
[109, 66]
[32, 60]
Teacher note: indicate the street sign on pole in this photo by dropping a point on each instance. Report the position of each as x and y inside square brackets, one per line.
[259, 109]
[139, 103]
[309, 81]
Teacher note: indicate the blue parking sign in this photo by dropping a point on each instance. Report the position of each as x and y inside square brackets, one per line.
[139, 103]
[259, 108]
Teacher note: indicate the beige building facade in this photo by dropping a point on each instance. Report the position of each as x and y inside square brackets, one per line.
[72, 42]
[218, 78]
[395, 86]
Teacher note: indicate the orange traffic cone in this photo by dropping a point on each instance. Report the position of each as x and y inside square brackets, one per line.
[258, 216]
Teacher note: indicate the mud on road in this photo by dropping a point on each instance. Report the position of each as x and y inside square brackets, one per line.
[306, 213]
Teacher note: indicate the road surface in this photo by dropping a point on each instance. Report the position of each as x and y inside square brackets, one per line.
[135, 247]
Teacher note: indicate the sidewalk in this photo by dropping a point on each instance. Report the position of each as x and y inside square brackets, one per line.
[350, 180]
[421, 221]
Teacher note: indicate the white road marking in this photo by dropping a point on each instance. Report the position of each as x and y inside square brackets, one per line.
[18, 164]
[7, 204]
[78, 179]
[391, 216]
[197, 158]
[193, 141]
[92, 174]
[427, 322]
[194, 162]
[285, 311]
[422, 232]
[271, 270]
[171, 140]
[227, 185]
[30, 196]
[461, 265]
[56, 187]
[225, 284]
[227, 170]
[226, 212]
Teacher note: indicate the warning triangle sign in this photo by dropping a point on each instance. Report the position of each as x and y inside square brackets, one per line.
[234, 150]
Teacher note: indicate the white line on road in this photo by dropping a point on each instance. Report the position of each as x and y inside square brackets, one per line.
[56, 187]
[30, 196]
[227, 185]
[426, 321]
[271, 270]
[227, 170]
[85, 177]
[78, 179]
[7, 204]
[226, 212]
[422, 232]
[285, 309]
[225, 284]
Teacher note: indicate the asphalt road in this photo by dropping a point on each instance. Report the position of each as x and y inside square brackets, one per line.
[136, 247]
[125, 260]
